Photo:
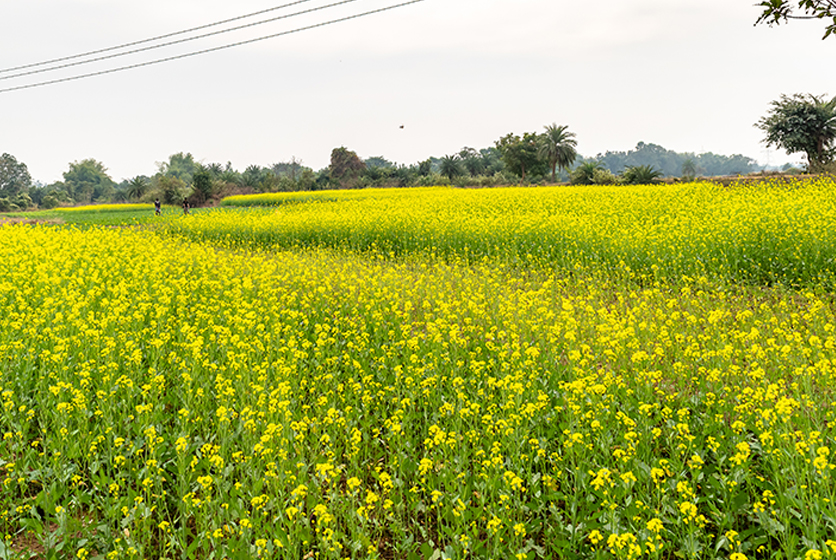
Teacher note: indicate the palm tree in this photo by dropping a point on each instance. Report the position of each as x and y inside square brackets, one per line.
[641, 175]
[584, 173]
[689, 169]
[137, 187]
[451, 166]
[557, 146]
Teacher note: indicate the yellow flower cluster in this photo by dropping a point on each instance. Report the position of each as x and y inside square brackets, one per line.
[430, 390]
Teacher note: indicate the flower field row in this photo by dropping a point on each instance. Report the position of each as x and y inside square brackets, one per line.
[161, 397]
[766, 234]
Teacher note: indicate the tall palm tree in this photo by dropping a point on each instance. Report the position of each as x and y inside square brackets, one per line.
[557, 146]
[451, 166]
[137, 187]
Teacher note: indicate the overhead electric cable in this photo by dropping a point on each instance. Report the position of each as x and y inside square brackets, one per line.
[177, 42]
[213, 49]
[151, 39]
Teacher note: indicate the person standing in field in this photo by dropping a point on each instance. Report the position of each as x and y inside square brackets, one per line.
[185, 206]
[157, 207]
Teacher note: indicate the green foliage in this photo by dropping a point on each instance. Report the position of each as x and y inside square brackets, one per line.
[776, 12]
[451, 166]
[802, 123]
[558, 147]
[521, 155]
[604, 177]
[14, 177]
[377, 162]
[689, 169]
[87, 181]
[584, 173]
[181, 166]
[472, 161]
[137, 187]
[425, 168]
[640, 175]
[202, 186]
[670, 163]
[172, 190]
[346, 167]
[254, 177]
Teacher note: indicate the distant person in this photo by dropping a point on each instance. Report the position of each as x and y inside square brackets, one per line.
[185, 206]
[157, 207]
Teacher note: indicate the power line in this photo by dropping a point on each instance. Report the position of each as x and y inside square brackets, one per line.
[213, 49]
[177, 42]
[157, 38]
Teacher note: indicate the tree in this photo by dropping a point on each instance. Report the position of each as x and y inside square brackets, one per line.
[14, 177]
[641, 175]
[345, 167]
[87, 181]
[557, 146]
[689, 169]
[181, 166]
[451, 166]
[202, 185]
[173, 189]
[802, 123]
[520, 154]
[137, 187]
[253, 176]
[584, 174]
[379, 162]
[472, 161]
[425, 167]
[776, 12]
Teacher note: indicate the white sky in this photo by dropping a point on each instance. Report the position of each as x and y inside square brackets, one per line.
[690, 75]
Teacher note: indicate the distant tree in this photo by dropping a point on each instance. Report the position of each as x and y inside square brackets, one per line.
[87, 181]
[557, 146]
[172, 189]
[604, 177]
[670, 162]
[584, 174]
[802, 123]
[202, 185]
[214, 169]
[776, 12]
[230, 176]
[472, 161]
[253, 176]
[491, 160]
[689, 169]
[521, 154]
[425, 168]
[14, 177]
[137, 187]
[290, 169]
[379, 162]
[451, 166]
[307, 180]
[640, 175]
[180, 165]
[345, 167]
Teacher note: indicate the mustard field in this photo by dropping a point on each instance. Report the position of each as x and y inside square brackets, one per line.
[634, 372]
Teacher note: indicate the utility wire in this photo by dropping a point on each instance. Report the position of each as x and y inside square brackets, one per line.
[176, 42]
[157, 38]
[213, 49]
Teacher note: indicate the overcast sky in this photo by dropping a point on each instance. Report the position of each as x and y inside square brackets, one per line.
[691, 75]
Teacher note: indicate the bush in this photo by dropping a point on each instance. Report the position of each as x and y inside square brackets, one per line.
[641, 175]
[604, 177]
[49, 202]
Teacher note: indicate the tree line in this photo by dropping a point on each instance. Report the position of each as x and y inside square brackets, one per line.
[798, 124]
